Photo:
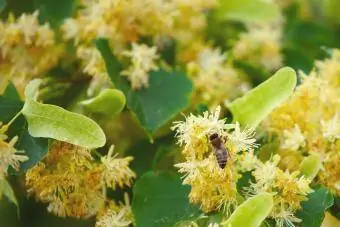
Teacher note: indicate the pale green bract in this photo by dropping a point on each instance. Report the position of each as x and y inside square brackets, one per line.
[248, 10]
[49, 121]
[252, 212]
[109, 102]
[311, 166]
[254, 106]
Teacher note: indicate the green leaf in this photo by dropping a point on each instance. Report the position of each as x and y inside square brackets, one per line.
[248, 10]
[55, 12]
[6, 189]
[9, 108]
[49, 121]
[313, 210]
[11, 92]
[109, 102]
[252, 212]
[161, 200]
[254, 106]
[311, 166]
[35, 148]
[168, 92]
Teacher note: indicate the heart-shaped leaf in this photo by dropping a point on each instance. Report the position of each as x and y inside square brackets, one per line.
[161, 200]
[49, 121]
[313, 210]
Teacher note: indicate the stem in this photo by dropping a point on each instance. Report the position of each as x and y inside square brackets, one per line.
[14, 118]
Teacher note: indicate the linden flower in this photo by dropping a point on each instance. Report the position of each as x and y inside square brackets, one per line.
[331, 128]
[117, 171]
[93, 62]
[27, 48]
[194, 131]
[72, 183]
[329, 174]
[143, 61]
[289, 190]
[215, 80]
[243, 140]
[329, 69]
[116, 215]
[9, 156]
[212, 187]
[247, 161]
[293, 139]
[260, 45]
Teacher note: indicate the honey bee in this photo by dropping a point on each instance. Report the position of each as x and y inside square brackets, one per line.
[221, 153]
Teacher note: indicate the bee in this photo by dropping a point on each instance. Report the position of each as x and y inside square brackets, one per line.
[221, 153]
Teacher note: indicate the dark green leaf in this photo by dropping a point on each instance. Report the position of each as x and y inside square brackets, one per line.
[8, 109]
[168, 92]
[11, 92]
[313, 210]
[55, 12]
[161, 200]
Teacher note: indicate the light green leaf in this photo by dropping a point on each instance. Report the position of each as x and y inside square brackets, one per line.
[109, 102]
[248, 10]
[252, 212]
[161, 200]
[6, 189]
[49, 121]
[313, 210]
[311, 166]
[254, 106]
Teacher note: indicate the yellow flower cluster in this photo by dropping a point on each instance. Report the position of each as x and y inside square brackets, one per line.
[309, 121]
[215, 80]
[211, 187]
[260, 45]
[289, 189]
[27, 48]
[9, 156]
[127, 21]
[72, 183]
[119, 215]
[143, 61]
